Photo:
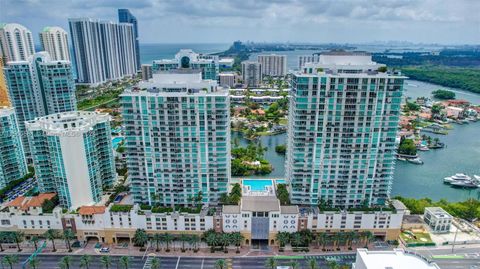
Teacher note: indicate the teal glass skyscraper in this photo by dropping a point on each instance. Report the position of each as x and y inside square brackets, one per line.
[177, 139]
[343, 119]
[40, 87]
[72, 155]
[12, 158]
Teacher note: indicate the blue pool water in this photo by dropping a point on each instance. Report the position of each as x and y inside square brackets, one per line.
[257, 184]
[116, 141]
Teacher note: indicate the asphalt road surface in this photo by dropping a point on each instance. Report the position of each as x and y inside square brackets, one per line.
[52, 262]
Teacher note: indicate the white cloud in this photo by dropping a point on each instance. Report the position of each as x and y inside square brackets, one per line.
[267, 20]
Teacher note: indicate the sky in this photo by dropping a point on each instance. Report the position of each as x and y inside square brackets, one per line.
[223, 21]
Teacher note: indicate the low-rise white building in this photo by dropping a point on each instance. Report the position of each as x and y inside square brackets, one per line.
[437, 219]
[391, 259]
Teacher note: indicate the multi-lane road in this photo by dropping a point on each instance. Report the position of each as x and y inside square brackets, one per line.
[51, 261]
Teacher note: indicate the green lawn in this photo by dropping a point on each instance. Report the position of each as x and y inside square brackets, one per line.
[410, 237]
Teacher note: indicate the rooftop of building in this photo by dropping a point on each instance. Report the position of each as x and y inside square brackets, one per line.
[438, 212]
[392, 259]
[12, 26]
[177, 81]
[259, 203]
[52, 28]
[67, 121]
[91, 210]
[25, 202]
[6, 111]
[412, 219]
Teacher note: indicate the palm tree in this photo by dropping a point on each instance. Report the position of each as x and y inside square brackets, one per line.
[323, 239]
[349, 237]
[296, 239]
[312, 263]
[167, 238]
[124, 261]
[3, 236]
[237, 239]
[106, 261]
[51, 235]
[294, 265]
[282, 239]
[183, 238]
[33, 262]
[220, 264]
[368, 238]
[65, 262]
[157, 238]
[18, 238]
[85, 261]
[332, 264]
[193, 241]
[140, 238]
[68, 236]
[35, 240]
[271, 263]
[212, 241]
[225, 241]
[10, 260]
[155, 263]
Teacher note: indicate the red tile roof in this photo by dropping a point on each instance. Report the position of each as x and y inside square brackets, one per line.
[91, 210]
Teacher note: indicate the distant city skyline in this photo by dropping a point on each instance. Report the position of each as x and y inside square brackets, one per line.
[215, 21]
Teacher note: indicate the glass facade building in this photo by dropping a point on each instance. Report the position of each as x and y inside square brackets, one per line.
[124, 15]
[40, 87]
[343, 120]
[12, 158]
[72, 155]
[177, 139]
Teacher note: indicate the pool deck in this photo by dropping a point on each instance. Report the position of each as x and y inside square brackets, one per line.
[260, 186]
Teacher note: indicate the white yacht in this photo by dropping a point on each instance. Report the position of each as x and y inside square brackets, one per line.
[456, 177]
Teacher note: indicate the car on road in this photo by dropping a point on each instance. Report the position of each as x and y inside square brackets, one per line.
[104, 250]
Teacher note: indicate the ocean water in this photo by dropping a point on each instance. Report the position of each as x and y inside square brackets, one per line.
[150, 52]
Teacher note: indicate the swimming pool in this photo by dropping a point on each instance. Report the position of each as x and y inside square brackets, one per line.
[257, 184]
[116, 141]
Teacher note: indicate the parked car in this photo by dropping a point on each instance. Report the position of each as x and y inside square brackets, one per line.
[104, 250]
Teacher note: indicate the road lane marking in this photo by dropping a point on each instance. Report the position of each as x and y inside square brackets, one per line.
[178, 261]
[203, 260]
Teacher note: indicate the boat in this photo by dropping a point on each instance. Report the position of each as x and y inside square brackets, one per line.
[401, 159]
[471, 184]
[456, 177]
[423, 148]
[415, 161]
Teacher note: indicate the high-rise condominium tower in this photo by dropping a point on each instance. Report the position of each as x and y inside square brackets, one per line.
[252, 73]
[188, 59]
[16, 42]
[54, 41]
[102, 50]
[39, 87]
[273, 65]
[343, 120]
[177, 131]
[125, 16]
[12, 157]
[72, 155]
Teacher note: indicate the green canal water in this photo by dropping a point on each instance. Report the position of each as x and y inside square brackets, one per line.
[462, 155]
